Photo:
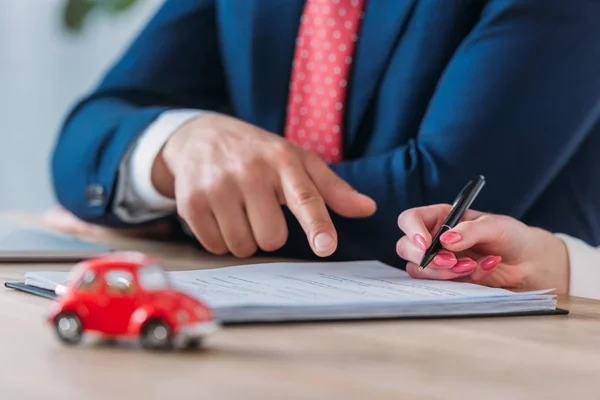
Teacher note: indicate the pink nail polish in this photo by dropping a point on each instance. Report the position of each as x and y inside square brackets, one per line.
[464, 266]
[445, 259]
[491, 262]
[420, 241]
[451, 237]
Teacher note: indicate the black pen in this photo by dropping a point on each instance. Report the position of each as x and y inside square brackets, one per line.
[462, 203]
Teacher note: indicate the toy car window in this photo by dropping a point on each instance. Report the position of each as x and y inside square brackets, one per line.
[119, 282]
[153, 277]
[88, 281]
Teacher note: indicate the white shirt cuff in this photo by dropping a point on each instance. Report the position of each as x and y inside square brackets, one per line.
[584, 260]
[144, 153]
[136, 199]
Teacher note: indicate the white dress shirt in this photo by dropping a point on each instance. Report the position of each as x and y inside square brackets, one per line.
[136, 199]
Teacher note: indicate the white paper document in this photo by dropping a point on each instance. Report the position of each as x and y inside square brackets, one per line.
[333, 290]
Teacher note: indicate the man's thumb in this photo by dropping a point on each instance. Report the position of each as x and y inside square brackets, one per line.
[338, 194]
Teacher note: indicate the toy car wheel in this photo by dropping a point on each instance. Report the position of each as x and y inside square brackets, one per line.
[68, 327]
[156, 335]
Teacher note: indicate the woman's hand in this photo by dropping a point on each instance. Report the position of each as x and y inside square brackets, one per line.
[488, 249]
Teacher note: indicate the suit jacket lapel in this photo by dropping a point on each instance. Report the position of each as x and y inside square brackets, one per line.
[381, 27]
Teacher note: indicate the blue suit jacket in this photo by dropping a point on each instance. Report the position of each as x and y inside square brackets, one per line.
[440, 91]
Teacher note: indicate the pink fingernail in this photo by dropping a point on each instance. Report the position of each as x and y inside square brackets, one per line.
[464, 266]
[451, 237]
[420, 241]
[445, 259]
[491, 263]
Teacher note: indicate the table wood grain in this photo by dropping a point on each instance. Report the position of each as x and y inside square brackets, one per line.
[505, 358]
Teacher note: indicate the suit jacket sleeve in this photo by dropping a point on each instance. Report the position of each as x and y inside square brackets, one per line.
[146, 82]
[515, 102]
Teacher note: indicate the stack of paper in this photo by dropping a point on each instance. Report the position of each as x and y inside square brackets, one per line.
[333, 290]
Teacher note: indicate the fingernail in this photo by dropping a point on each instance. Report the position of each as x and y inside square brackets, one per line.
[420, 241]
[364, 195]
[491, 262]
[359, 194]
[451, 237]
[464, 266]
[445, 259]
[323, 241]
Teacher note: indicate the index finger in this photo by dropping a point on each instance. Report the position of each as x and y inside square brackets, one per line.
[305, 202]
[423, 221]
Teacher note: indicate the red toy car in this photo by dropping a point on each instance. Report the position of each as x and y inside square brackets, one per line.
[128, 295]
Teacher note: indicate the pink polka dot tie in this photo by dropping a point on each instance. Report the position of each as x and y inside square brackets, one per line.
[324, 50]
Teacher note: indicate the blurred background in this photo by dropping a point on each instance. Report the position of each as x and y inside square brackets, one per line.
[51, 53]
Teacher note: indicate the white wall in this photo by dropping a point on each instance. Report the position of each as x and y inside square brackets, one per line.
[43, 71]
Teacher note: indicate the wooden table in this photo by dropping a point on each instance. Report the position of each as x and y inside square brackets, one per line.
[504, 358]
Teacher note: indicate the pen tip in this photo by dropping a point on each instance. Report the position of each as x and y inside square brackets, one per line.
[421, 267]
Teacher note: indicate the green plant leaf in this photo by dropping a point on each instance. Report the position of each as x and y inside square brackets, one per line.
[75, 13]
[117, 6]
